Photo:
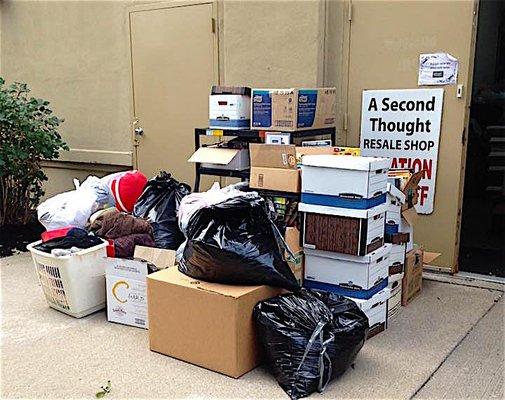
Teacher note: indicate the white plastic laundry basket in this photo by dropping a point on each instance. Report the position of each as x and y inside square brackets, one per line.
[73, 284]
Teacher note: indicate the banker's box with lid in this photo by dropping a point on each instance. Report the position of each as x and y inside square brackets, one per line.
[397, 259]
[293, 109]
[207, 324]
[344, 181]
[343, 230]
[353, 272]
[375, 309]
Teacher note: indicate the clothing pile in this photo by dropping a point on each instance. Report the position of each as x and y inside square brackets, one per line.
[122, 208]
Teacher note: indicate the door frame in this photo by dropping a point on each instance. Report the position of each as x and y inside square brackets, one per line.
[216, 13]
[464, 135]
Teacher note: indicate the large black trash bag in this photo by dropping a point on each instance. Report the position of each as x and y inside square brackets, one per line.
[159, 203]
[234, 242]
[309, 337]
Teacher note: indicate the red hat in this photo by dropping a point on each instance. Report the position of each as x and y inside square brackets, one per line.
[127, 188]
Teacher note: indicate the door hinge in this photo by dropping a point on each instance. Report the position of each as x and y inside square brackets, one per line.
[345, 121]
[463, 137]
[213, 24]
[349, 11]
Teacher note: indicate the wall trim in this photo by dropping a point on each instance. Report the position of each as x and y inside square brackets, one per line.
[89, 156]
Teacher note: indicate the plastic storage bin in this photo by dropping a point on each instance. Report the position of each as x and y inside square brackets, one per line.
[73, 284]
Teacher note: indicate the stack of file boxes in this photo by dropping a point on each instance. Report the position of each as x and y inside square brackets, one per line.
[344, 206]
[398, 240]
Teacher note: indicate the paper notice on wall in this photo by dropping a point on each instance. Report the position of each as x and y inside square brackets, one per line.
[404, 125]
[437, 69]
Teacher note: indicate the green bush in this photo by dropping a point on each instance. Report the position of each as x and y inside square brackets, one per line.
[28, 135]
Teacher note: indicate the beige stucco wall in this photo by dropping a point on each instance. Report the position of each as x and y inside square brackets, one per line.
[76, 55]
[276, 43]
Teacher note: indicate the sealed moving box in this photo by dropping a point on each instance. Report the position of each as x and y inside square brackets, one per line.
[343, 230]
[293, 109]
[207, 324]
[273, 167]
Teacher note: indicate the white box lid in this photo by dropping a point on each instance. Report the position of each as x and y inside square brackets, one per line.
[343, 212]
[367, 304]
[346, 162]
[366, 259]
[213, 155]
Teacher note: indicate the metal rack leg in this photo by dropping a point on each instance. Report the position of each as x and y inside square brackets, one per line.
[196, 188]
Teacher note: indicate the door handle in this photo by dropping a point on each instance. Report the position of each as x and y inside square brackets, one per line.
[139, 131]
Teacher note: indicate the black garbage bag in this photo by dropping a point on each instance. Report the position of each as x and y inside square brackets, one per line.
[309, 337]
[159, 203]
[234, 242]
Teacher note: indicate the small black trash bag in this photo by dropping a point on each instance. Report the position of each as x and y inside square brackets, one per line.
[234, 242]
[309, 337]
[159, 203]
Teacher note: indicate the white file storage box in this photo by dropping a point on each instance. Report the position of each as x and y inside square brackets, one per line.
[343, 230]
[375, 308]
[354, 272]
[344, 181]
[394, 303]
[397, 259]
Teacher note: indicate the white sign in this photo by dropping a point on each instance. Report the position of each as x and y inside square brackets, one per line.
[437, 69]
[405, 126]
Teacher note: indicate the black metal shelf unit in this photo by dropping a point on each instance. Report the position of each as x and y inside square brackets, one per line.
[246, 134]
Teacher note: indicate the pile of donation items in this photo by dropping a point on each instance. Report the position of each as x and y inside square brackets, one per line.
[294, 267]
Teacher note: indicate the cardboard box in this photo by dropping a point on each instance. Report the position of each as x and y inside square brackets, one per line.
[343, 230]
[126, 284]
[413, 278]
[221, 158]
[397, 259]
[162, 258]
[407, 226]
[353, 272]
[230, 107]
[293, 109]
[322, 150]
[207, 324]
[277, 179]
[295, 262]
[375, 309]
[364, 294]
[126, 292]
[356, 182]
[394, 302]
[277, 137]
[273, 167]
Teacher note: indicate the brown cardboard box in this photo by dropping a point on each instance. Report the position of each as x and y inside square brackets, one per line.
[207, 324]
[284, 180]
[293, 109]
[413, 277]
[273, 167]
[273, 155]
[162, 258]
[295, 262]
